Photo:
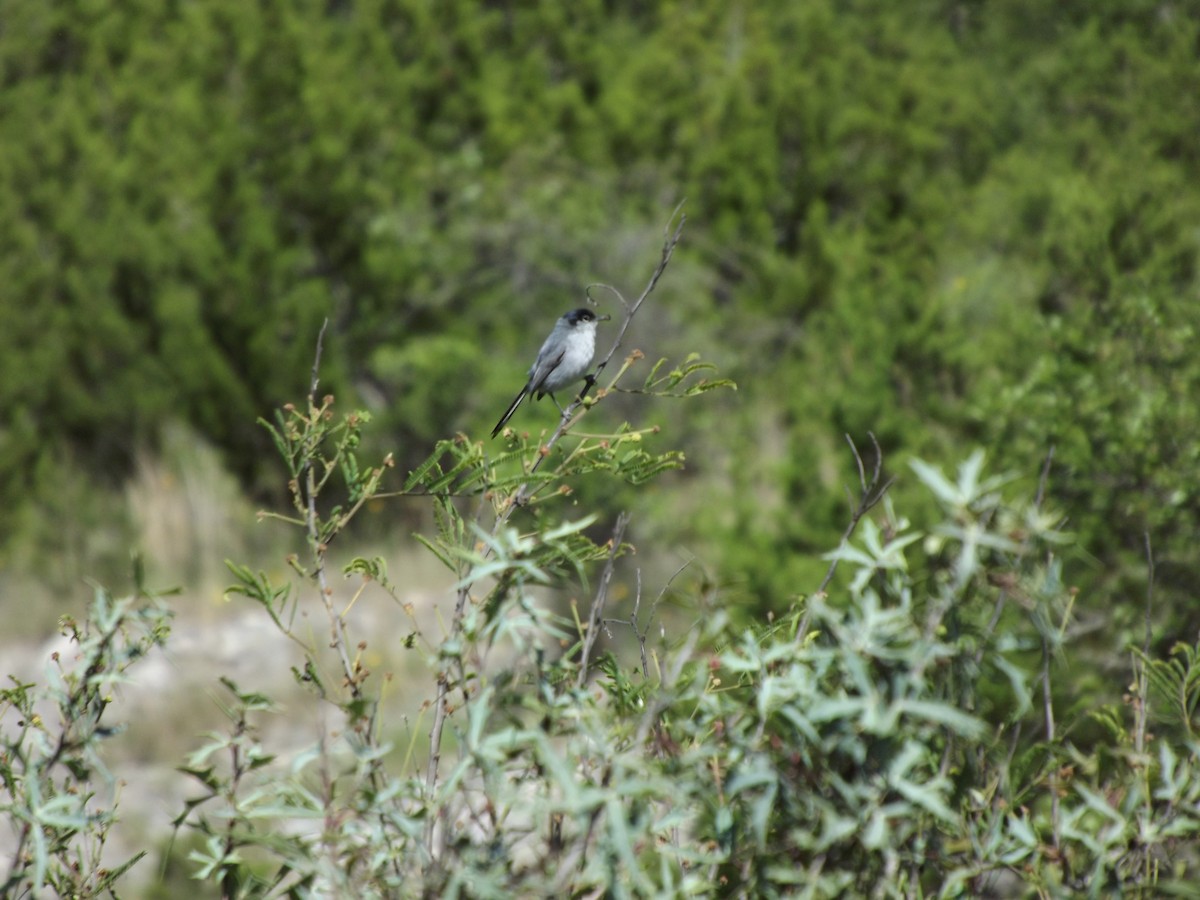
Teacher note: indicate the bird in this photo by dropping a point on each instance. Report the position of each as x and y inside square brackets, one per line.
[563, 359]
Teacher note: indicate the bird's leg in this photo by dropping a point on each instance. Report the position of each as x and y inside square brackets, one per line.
[556, 403]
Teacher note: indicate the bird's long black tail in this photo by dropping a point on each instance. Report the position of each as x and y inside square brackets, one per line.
[512, 408]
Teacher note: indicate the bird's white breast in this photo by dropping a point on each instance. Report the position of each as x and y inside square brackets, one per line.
[577, 356]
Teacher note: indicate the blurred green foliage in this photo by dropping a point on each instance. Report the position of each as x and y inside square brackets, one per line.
[949, 223]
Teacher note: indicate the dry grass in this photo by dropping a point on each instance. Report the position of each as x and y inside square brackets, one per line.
[189, 516]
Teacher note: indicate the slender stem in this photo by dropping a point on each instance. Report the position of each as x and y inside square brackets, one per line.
[1002, 597]
[1139, 737]
[1048, 713]
[597, 613]
[312, 520]
[634, 622]
[871, 492]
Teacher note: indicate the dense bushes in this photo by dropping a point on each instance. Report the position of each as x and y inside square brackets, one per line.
[947, 224]
[897, 735]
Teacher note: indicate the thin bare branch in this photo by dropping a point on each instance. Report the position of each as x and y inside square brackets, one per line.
[608, 287]
[670, 240]
[683, 654]
[1149, 592]
[596, 616]
[871, 493]
[634, 621]
[653, 611]
[316, 366]
[1139, 739]
[1048, 716]
[862, 476]
[1002, 597]
[316, 545]
[1044, 478]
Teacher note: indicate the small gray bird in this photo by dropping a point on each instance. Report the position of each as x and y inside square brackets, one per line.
[563, 359]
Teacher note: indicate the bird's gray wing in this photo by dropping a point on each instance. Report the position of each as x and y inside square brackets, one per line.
[542, 370]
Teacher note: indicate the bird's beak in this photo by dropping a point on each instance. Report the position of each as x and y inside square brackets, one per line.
[603, 318]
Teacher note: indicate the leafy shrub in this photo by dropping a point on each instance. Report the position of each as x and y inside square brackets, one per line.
[899, 732]
[56, 793]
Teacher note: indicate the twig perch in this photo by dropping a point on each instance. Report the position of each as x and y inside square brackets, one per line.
[670, 240]
[441, 709]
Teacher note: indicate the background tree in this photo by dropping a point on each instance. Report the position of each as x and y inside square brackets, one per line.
[950, 224]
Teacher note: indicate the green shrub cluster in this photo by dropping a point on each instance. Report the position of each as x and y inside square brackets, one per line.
[895, 734]
[57, 795]
[947, 225]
